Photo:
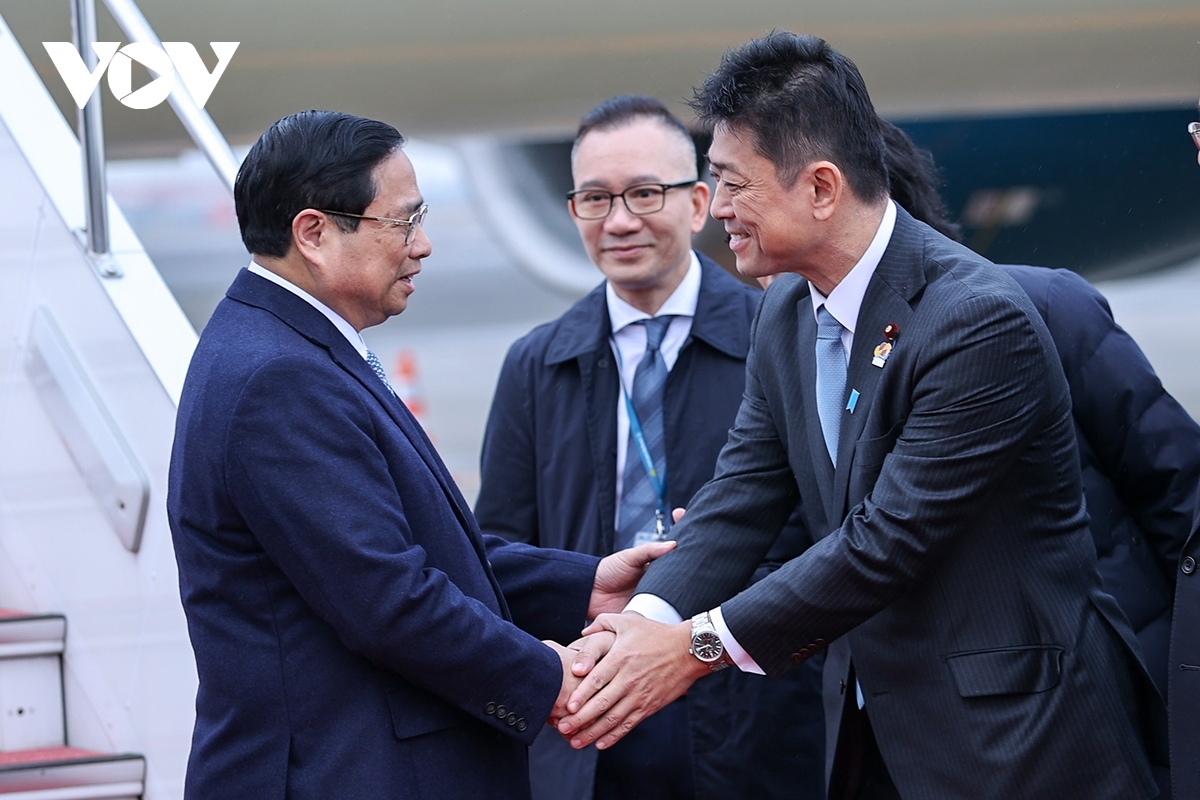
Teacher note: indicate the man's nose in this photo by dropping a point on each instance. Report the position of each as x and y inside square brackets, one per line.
[420, 247]
[720, 208]
[620, 218]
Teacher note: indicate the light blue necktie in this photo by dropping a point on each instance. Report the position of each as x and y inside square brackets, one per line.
[639, 501]
[831, 379]
[373, 360]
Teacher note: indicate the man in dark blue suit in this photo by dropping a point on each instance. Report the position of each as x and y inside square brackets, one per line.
[908, 393]
[558, 452]
[355, 634]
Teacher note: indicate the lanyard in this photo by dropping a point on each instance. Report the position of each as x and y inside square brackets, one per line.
[658, 481]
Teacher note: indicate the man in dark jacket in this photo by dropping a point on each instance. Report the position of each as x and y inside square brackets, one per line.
[562, 468]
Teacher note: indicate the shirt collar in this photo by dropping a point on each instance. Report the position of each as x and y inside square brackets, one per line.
[846, 298]
[353, 336]
[681, 303]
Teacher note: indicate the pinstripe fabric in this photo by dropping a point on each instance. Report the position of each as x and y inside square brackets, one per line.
[638, 498]
[952, 560]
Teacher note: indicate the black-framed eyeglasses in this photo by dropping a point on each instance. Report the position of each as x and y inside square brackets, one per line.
[643, 199]
[411, 224]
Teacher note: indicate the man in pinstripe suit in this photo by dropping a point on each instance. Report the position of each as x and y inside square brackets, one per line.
[969, 653]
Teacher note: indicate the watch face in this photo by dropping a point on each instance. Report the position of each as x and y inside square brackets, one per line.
[707, 646]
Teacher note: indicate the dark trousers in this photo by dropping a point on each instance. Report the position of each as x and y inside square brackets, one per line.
[859, 772]
[652, 762]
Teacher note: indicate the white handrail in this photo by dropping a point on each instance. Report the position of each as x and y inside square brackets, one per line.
[195, 119]
[91, 141]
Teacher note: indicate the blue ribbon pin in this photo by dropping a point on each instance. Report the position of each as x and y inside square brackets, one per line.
[853, 400]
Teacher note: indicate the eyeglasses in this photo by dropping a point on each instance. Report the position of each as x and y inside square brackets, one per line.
[643, 199]
[412, 222]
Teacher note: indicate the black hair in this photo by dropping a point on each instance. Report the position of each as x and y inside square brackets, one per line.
[913, 178]
[314, 159]
[624, 109]
[803, 101]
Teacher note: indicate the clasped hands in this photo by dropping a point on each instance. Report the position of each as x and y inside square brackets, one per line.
[624, 669]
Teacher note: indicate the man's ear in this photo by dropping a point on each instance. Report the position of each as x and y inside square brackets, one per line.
[310, 234]
[826, 183]
[700, 197]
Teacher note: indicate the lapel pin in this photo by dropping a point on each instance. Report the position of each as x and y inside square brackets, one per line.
[891, 332]
[882, 351]
[853, 401]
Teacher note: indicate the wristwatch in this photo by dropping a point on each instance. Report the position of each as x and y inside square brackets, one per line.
[706, 643]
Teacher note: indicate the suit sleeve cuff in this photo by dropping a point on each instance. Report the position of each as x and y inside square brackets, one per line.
[651, 606]
[737, 653]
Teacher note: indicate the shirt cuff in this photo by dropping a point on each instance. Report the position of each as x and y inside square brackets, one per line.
[737, 654]
[651, 606]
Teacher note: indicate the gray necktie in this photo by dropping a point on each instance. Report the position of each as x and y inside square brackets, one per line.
[373, 360]
[639, 500]
[831, 379]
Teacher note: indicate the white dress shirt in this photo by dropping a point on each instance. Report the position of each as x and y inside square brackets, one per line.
[352, 336]
[629, 345]
[843, 303]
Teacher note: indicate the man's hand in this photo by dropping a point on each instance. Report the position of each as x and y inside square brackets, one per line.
[569, 684]
[577, 658]
[618, 575]
[647, 667]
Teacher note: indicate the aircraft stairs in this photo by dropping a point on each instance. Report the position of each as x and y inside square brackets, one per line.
[93, 352]
[35, 761]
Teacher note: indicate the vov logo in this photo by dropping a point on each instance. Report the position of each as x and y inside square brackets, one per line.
[175, 60]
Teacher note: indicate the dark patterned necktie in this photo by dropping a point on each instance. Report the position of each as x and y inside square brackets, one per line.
[639, 500]
[831, 379]
[373, 360]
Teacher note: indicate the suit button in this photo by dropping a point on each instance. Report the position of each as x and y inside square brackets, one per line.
[511, 719]
[1188, 565]
[489, 709]
[797, 658]
[501, 712]
[819, 643]
[522, 725]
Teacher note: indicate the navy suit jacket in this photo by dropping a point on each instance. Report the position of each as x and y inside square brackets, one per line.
[952, 562]
[354, 632]
[549, 478]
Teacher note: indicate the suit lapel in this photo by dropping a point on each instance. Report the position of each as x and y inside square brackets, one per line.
[349, 359]
[880, 307]
[897, 280]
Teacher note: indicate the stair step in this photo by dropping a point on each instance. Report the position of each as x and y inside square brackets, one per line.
[31, 688]
[70, 773]
[25, 634]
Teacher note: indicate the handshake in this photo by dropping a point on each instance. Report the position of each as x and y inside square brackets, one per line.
[625, 667]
